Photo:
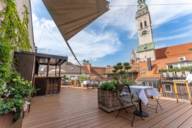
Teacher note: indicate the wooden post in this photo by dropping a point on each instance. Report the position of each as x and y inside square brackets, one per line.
[48, 67]
[188, 91]
[55, 70]
[161, 87]
[175, 89]
[59, 70]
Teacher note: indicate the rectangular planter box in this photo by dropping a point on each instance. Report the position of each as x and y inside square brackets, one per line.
[6, 121]
[108, 100]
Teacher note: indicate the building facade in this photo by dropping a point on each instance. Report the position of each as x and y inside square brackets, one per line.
[159, 67]
[73, 71]
[146, 46]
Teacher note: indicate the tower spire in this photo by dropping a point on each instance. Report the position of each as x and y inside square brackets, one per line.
[141, 1]
[141, 4]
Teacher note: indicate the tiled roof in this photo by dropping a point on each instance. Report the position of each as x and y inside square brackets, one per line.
[94, 70]
[164, 56]
[177, 50]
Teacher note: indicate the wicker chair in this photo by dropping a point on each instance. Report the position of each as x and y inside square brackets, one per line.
[126, 100]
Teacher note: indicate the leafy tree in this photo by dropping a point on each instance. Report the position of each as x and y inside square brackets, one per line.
[127, 66]
[83, 77]
[86, 61]
[120, 70]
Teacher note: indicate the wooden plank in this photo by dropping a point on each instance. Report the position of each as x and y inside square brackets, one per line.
[154, 121]
[166, 108]
[187, 123]
[180, 120]
[75, 108]
[172, 117]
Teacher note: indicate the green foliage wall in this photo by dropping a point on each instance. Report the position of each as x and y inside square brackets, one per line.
[13, 37]
[13, 30]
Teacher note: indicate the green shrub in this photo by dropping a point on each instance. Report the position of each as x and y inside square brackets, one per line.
[109, 86]
[13, 95]
[11, 105]
[183, 69]
[83, 77]
[19, 86]
[128, 82]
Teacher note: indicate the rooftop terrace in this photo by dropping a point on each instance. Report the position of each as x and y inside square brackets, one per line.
[77, 108]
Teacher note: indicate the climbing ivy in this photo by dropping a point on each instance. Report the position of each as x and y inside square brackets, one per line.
[14, 90]
[14, 30]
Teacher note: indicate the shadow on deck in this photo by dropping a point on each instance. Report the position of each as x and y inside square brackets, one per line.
[76, 108]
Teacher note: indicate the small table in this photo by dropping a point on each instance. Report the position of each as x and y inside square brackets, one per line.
[140, 92]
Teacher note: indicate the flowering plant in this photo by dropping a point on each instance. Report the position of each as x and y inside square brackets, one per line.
[13, 95]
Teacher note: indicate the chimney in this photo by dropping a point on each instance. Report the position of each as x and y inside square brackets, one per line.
[88, 67]
[149, 64]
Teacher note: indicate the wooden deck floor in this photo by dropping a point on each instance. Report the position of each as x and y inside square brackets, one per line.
[77, 108]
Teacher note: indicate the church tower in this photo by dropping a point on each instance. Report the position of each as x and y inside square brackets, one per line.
[146, 48]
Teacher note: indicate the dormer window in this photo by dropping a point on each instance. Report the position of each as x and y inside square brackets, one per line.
[182, 58]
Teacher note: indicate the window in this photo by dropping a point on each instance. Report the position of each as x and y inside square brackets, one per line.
[170, 66]
[145, 23]
[141, 25]
[168, 88]
[182, 58]
[144, 32]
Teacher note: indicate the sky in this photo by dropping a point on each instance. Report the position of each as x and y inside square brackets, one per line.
[113, 36]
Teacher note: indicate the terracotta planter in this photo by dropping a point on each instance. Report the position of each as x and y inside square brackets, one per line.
[108, 100]
[6, 121]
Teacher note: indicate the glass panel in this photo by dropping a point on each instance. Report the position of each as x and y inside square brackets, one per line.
[168, 88]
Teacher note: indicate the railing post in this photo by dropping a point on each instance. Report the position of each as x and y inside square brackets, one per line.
[176, 92]
[188, 91]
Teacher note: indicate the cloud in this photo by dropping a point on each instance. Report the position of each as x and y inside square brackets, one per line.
[47, 35]
[122, 13]
[173, 37]
[169, 10]
[92, 46]
[86, 45]
[177, 33]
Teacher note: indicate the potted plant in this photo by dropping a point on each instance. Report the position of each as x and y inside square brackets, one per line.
[107, 96]
[13, 96]
[107, 91]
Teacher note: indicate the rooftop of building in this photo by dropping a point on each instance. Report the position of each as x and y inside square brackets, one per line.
[164, 57]
[171, 51]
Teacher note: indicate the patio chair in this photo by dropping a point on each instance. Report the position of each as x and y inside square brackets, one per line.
[126, 100]
[154, 97]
